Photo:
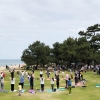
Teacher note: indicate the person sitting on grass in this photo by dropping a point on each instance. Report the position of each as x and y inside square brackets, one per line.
[19, 89]
[69, 85]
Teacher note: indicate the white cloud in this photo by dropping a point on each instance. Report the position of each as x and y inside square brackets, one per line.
[23, 22]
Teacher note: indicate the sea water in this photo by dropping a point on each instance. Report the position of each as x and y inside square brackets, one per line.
[10, 62]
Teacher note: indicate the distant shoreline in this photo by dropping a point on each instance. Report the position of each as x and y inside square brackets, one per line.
[10, 62]
[3, 68]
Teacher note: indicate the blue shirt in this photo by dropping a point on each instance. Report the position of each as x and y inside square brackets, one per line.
[69, 82]
[21, 79]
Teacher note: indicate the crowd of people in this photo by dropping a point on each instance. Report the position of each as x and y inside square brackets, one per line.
[77, 76]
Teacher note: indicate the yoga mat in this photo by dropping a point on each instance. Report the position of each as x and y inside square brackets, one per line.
[22, 91]
[61, 89]
[97, 84]
[32, 91]
[48, 79]
[79, 84]
[49, 90]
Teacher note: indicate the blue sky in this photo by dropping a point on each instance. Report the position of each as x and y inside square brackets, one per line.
[22, 22]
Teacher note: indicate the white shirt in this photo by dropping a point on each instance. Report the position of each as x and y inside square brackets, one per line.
[52, 82]
[41, 72]
[12, 81]
[42, 80]
[28, 76]
[2, 80]
[23, 73]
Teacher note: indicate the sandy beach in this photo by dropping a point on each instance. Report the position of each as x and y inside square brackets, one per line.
[3, 68]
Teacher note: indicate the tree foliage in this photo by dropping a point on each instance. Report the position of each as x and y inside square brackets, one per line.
[85, 49]
[36, 54]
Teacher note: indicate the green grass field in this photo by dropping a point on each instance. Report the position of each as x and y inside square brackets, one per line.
[79, 93]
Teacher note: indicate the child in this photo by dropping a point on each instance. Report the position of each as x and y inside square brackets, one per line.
[69, 86]
[52, 84]
[19, 89]
[42, 83]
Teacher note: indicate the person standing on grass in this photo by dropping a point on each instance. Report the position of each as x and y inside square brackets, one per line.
[31, 82]
[2, 82]
[42, 83]
[12, 80]
[66, 80]
[57, 81]
[69, 86]
[76, 79]
[22, 81]
[52, 84]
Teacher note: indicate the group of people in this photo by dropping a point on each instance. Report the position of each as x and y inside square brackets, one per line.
[56, 79]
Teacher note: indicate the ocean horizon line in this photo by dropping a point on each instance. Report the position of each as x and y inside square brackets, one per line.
[4, 62]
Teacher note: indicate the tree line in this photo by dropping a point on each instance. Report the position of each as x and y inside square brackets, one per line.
[85, 49]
